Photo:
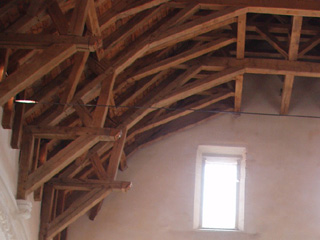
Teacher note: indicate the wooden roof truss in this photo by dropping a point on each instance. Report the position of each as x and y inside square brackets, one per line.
[111, 76]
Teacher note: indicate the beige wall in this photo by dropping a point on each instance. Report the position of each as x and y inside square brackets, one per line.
[9, 175]
[282, 175]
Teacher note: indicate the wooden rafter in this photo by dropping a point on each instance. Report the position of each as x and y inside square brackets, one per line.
[293, 55]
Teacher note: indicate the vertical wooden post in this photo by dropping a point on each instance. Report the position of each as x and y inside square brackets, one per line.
[241, 40]
[293, 55]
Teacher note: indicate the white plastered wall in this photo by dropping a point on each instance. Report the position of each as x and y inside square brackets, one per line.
[282, 175]
[12, 225]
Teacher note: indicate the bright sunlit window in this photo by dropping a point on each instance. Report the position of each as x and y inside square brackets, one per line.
[220, 188]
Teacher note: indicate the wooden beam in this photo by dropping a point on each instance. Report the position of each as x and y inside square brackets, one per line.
[98, 167]
[73, 132]
[272, 41]
[195, 28]
[174, 35]
[122, 10]
[28, 73]
[123, 162]
[293, 55]
[18, 122]
[143, 88]
[293, 7]
[80, 60]
[102, 174]
[59, 161]
[8, 114]
[262, 66]
[94, 27]
[312, 43]
[179, 124]
[87, 184]
[83, 113]
[25, 163]
[102, 108]
[241, 36]
[75, 167]
[46, 210]
[58, 18]
[43, 41]
[79, 17]
[184, 14]
[200, 86]
[115, 157]
[241, 41]
[148, 106]
[4, 61]
[182, 57]
[238, 93]
[125, 31]
[221, 95]
[8, 109]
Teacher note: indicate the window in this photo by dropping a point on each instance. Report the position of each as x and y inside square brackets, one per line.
[219, 198]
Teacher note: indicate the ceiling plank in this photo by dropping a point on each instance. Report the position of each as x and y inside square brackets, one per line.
[28, 73]
[293, 55]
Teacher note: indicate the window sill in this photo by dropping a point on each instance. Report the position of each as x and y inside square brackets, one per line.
[217, 230]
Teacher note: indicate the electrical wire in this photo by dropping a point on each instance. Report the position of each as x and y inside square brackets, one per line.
[171, 109]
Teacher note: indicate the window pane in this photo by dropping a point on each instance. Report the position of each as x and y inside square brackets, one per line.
[219, 206]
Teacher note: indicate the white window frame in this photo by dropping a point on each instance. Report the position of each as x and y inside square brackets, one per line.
[232, 152]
